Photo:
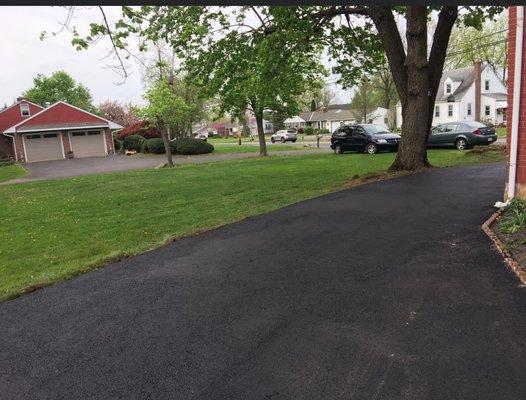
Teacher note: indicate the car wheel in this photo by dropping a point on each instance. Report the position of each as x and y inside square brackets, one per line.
[371, 148]
[272, 140]
[282, 140]
[461, 144]
[293, 140]
[338, 149]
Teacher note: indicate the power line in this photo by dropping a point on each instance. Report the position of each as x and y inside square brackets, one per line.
[481, 46]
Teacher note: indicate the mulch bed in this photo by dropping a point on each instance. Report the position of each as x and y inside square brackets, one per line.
[512, 246]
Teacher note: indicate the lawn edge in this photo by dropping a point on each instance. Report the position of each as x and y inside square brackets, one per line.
[371, 177]
[512, 264]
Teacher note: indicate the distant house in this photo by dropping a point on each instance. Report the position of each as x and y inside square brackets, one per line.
[468, 94]
[35, 133]
[328, 118]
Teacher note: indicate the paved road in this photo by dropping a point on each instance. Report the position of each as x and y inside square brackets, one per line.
[401, 297]
[44, 170]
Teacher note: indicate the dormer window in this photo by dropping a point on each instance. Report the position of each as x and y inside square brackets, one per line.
[24, 109]
[448, 88]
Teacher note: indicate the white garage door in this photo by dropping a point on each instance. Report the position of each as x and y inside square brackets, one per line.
[87, 144]
[43, 146]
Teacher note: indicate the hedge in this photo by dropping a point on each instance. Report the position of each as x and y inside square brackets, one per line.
[189, 146]
[133, 142]
[155, 146]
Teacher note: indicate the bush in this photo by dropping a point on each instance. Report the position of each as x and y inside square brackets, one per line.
[321, 131]
[6, 161]
[514, 217]
[189, 146]
[155, 146]
[299, 131]
[144, 147]
[133, 142]
[308, 130]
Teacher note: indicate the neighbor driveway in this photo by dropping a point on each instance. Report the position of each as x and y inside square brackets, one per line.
[43, 170]
[388, 290]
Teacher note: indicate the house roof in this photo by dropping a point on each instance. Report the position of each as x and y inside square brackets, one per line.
[294, 120]
[12, 115]
[59, 116]
[466, 77]
[329, 114]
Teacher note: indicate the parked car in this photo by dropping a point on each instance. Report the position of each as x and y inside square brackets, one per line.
[462, 135]
[370, 138]
[284, 135]
[201, 136]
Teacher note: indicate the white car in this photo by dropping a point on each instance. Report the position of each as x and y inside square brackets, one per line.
[201, 136]
[284, 135]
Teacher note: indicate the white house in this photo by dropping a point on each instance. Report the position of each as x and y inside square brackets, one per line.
[468, 94]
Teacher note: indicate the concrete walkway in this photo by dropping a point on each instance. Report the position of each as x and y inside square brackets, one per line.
[388, 290]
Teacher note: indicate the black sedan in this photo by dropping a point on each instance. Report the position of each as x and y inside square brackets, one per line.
[462, 135]
[370, 138]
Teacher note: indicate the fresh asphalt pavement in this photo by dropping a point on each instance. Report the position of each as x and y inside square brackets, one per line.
[388, 290]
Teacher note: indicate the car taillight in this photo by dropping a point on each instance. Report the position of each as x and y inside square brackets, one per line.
[477, 132]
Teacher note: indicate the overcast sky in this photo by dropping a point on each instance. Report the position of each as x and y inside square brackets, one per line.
[25, 55]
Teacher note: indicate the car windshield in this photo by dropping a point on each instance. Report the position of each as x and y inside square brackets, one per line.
[475, 124]
[374, 129]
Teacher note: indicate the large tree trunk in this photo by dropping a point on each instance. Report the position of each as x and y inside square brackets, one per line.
[415, 77]
[167, 147]
[261, 133]
[412, 154]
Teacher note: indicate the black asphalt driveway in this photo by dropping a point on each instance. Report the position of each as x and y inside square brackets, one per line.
[385, 291]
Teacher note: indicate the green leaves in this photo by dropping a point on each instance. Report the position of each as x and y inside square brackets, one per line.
[59, 86]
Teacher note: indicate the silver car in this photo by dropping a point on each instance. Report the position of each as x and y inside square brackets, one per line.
[284, 135]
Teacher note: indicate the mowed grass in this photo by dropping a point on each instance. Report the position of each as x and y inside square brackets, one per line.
[54, 230]
[11, 172]
[247, 148]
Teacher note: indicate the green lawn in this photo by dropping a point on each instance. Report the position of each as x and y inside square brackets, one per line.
[53, 230]
[11, 172]
[247, 148]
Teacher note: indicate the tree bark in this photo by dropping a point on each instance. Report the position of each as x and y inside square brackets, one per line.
[415, 77]
[412, 153]
[261, 133]
[167, 147]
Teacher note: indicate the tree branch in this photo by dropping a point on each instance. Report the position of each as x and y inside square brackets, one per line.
[110, 34]
[446, 19]
[385, 23]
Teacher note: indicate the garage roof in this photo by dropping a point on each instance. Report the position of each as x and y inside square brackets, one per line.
[62, 115]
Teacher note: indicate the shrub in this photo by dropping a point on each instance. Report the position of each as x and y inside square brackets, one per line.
[144, 147]
[321, 131]
[155, 145]
[299, 131]
[308, 130]
[133, 142]
[6, 161]
[192, 146]
[514, 217]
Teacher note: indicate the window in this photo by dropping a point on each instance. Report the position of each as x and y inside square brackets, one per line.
[451, 127]
[24, 109]
[450, 110]
[448, 88]
[33, 136]
[469, 109]
[91, 133]
[487, 111]
[437, 111]
[50, 135]
[78, 133]
[486, 84]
